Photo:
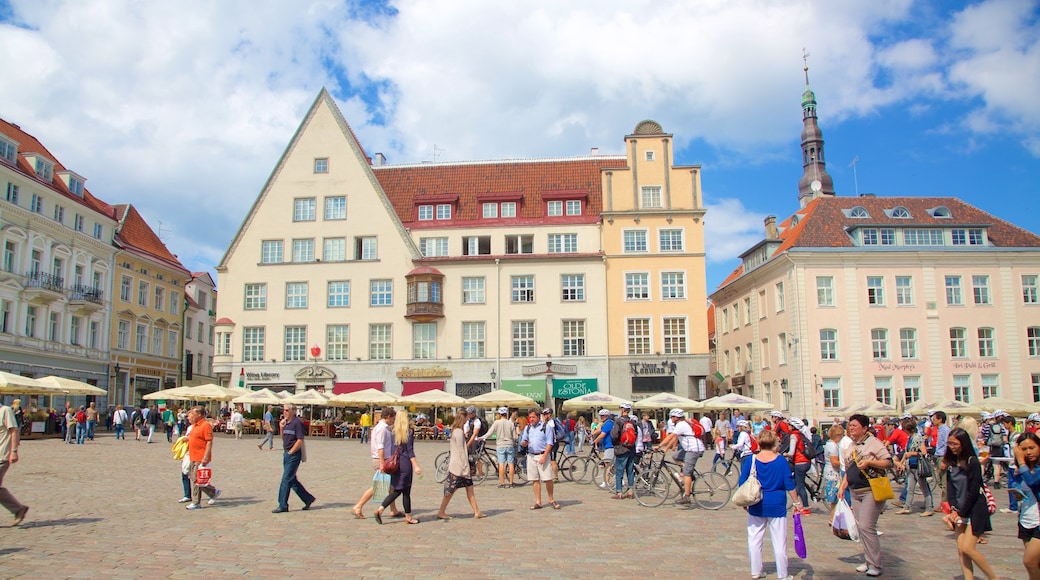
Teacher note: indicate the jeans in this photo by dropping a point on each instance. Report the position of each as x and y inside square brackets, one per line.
[90, 428]
[81, 433]
[1012, 483]
[169, 433]
[912, 480]
[570, 443]
[624, 464]
[121, 433]
[800, 469]
[364, 434]
[291, 463]
[186, 483]
[269, 439]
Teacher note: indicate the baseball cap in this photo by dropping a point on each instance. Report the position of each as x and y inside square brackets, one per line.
[503, 410]
[907, 416]
[603, 412]
[471, 409]
[776, 414]
[677, 413]
[547, 411]
[626, 405]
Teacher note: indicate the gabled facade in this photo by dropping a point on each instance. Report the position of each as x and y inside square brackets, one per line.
[56, 274]
[200, 303]
[458, 276]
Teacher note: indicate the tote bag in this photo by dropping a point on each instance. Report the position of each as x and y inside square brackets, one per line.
[750, 492]
[380, 486]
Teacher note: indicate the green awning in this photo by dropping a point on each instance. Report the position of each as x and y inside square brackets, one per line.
[570, 388]
[534, 388]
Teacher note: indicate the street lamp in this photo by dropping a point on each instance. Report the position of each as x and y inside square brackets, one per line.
[493, 375]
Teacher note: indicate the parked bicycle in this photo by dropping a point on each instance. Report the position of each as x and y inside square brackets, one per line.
[653, 485]
[486, 464]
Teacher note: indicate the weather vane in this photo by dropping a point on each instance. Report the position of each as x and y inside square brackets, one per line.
[805, 68]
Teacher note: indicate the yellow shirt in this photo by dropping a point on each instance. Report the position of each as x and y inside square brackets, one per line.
[366, 420]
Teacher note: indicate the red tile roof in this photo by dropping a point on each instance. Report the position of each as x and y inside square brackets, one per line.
[411, 185]
[135, 233]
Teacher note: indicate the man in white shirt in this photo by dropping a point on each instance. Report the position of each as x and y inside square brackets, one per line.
[9, 440]
[689, 443]
[381, 437]
[119, 420]
[706, 423]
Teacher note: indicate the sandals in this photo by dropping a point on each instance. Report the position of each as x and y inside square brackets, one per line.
[412, 521]
[379, 517]
[445, 518]
[903, 512]
[479, 516]
[357, 515]
[537, 506]
[554, 505]
[982, 540]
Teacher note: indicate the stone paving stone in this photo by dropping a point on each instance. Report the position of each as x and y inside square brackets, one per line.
[109, 509]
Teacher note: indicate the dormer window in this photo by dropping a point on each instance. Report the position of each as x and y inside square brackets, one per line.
[8, 150]
[76, 186]
[444, 211]
[941, 212]
[425, 213]
[899, 212]
[44, 169]
[858, 212]
[72, 181]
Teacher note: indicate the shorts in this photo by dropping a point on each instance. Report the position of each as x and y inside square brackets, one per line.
[538, 471]
[1026, 534]
[506, 455]
[375, 464]
[996, 451]
[608, 454]
[454, 482]
[690, 462]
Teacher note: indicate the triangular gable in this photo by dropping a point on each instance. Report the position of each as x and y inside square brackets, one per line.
[323, 99]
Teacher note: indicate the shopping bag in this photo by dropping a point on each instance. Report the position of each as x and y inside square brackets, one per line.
[203, 475]
[380, 486]
[844, 525]
[799, 537]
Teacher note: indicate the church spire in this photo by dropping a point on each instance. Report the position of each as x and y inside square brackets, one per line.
[815, 180]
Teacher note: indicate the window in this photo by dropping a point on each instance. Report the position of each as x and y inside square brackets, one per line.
[781, 349]
[123, 335]
[980, 289]
[563, 243]
[12, 189]
[335, 250]
[904, 290]
[554, 208]
[473, 290]
[59, 214]
[635, 241]
[858, 212]
[922, 237]
[141, 344]
[573, 338]
[746, 313]
[879, 343]
[295, 343]
[54, 330]
[651, 197]
[187, 327]
[674, 335]
[295, 295]
[883, 389]
[878, 237]
[157, 341]
[781, 300]
[673, 285]
[831, 393]
[1036, 387]
[990, 386]
[523, 338]
[223, 343]
[638, 336]
[476, 246]
[94, 330]
[433, 247]
[725, 320]
[911, 389]
[900, 212]
[762, 305]
[303, 250]
[825, 291]
[424, 340]
[321, 165]
[962, 388]
[175, 303]
[77, 223]
[908, 343]
[34, 266]
[509, 209]
[444, 211]
[159, 302]
[953, 291]
[336, 208]
[489, 211]
[522, 289]
[172, 344]
[379, 341]
[9, 254]
[339, 294]
[649, 155]
[473, 339]
[573, 287]
[574, 207]
[637, 286]
[98, 231]
[876, 290]
[381, 293]
[1033, 340]
[8, 150]
[36, 204]
[303, 209]
[828, 344]
[365, 248]
[142, 293]
[256, 296]
[271, 252]
[968, 237]
[1029, 289]
[425, 213]
[671, 240]
[764, 351]
[520, 244]
[958, 344]
[986, 343]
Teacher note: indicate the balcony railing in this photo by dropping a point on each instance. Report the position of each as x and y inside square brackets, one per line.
[45, 281]
[424, 311]
[88, 294]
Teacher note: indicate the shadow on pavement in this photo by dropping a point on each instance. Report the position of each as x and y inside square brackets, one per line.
[62, 522]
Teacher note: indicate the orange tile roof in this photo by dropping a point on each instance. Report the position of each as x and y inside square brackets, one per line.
[135, 233]
[411, 185]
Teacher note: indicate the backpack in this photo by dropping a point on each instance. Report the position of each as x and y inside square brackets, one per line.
[996, 436]
[810, 451]
[624, 433]
[698, 429]
[483, 426]
[81, 417]
[560, 430]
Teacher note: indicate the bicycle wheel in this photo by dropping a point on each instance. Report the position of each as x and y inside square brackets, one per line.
[711, 491]
[484, 468]
[440, 468]
[603, 475]
[652, 488]
[580, 470]
[521, 468]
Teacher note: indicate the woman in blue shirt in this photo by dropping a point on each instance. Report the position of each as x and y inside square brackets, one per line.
[1027, 457]
[774, 474]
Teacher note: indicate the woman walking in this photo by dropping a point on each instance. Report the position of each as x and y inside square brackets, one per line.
[969, 517]
[458, 468]
[581, 431]
[1027, 457]
[832, 468]
[401, 482]
[866, 458]
[913, 464]
[774, 474]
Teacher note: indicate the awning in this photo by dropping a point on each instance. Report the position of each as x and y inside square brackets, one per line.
[532, 388]
[570, 388]
[413, 387]
[343, 388]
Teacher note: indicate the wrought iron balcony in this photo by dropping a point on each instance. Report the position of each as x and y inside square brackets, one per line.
[81, 293]
[42, 287]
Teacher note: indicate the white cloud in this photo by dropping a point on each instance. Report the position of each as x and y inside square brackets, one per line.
[730, 229]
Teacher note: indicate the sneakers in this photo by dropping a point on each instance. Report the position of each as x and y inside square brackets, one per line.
[193, 506]
[873, 572]
[806, 512]
[213, 499]
[903, 512]
[184, 500]
[603, 486]
[788, 577]
[862, 568]
[684, 500]
[1008, 511]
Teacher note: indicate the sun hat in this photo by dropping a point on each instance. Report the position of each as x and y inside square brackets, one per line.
[677, 413]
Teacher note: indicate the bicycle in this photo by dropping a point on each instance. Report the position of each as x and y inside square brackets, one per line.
[485, 463]
[652, 487]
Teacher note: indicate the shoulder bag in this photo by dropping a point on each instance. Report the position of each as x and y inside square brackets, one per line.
[392, 464]
[881, 487]
[750, 492]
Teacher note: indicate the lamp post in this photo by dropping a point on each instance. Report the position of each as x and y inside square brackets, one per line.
[493, 384]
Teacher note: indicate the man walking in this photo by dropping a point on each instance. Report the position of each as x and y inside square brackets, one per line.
[268, 431]
[200, 453]
[366, 426]
[153, 421]
[167, 420]
[9, 440]
[381, 437]
[119, 419]
[603, 440]
[504, 432]
[539, 437]
[92, 417]
[292, 444]
[627, 431]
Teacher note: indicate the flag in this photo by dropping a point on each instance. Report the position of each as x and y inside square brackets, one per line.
[242, 378]
[718, 378]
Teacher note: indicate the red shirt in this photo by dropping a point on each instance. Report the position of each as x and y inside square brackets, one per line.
[899, 438]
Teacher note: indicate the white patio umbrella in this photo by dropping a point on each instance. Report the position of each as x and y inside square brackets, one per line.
[668, 401]
[594, 400]
[364, 398]
[501, 398]
[12, 384]
[951, 407]
[175, 394]
[261, 397]
[879, 409]
[208, 392]
[72, 386]
[918, 407]
[735, 401]
[433, 398]
[309, 397]
[1014, 408]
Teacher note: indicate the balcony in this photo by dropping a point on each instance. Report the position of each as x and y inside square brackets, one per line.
[425, 303]
[424, 311]
[44, 288]
[86, 299]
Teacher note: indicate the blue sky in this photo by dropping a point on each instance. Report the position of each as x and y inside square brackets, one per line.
[183, 107]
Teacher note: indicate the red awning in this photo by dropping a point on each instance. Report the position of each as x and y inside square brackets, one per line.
[413, 387]
[342, 388]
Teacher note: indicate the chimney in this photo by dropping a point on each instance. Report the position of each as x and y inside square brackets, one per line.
[595, 151]
[771, 233]
[380, 159]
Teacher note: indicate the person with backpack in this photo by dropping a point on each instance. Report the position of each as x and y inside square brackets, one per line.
[81, 425]
[602, 439]
[686, 435]
[624, 435]
[800, 452]
[570, 423]
[475, 427]
[998, 437]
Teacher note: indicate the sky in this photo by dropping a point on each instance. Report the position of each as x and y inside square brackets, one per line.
[184, 107]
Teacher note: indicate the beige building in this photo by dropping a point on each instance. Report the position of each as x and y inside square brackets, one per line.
[459, 276]
[200, 303]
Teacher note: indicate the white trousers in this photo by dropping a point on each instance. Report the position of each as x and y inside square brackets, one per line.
[756, 531]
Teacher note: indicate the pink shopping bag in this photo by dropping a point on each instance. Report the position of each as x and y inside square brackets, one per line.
[799, 537]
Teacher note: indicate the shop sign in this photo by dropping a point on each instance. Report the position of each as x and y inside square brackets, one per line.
[531, 389]
[638, 369]
[422, 373]
[570, 388]
[263, 376]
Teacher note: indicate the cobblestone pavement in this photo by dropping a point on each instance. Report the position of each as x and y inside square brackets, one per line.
[109, 509]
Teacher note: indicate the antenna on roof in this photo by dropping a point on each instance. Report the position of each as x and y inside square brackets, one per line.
[160, 232]
[855, 178]
[436, 152]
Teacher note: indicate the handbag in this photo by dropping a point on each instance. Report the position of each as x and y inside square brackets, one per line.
[881, 487]
[925, 468]
[392, 464]
[750, 492]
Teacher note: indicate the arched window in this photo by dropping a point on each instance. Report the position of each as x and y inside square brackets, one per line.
[900, 212]
[941, 212]
[859, 212]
